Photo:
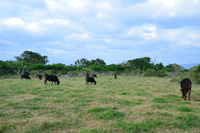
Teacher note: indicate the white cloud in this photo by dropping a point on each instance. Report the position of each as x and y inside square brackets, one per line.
[13, 22]
[34, 27]
[194, 36]
[96, 47]
[56, 51]
[76, 6]
[62, 22]
[83, 37]
[108, 40]
[179, 37]
[104, 6]
[101, 15]
[146, 32]
[165, 8]
[19, 23]
[37, 26]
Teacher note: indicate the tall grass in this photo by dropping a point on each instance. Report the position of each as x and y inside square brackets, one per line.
[127, 104]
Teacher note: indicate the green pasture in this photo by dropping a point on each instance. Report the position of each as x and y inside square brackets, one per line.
[126, 104]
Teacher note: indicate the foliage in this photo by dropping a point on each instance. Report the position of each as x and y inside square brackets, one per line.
[98, 61]
[174, 67]
[84, 62]
[36, 67]
[194, 74]
[32, 57]
[97, 68]
[142, 63]
[113, 67]
[35, 63]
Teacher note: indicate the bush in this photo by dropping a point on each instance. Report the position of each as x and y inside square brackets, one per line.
[96, 68]
[150, 72]
[194, 75]
[50, 72]
[161, 73]
[74, 74]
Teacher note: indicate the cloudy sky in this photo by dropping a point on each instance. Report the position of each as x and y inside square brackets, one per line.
[168, 31]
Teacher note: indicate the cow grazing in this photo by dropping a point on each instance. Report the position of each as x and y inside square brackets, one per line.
[186, 87]
[25, 76]
[90, 79]
[52, 78]
[40, 76]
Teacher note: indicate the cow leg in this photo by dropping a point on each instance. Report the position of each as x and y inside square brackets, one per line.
[189, 94]
[182, 94]
[185, 94]
[45, 82]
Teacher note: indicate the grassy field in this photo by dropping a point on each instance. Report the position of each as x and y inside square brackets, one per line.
[127, 104]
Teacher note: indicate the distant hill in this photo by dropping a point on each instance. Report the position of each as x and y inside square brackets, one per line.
[188, 66]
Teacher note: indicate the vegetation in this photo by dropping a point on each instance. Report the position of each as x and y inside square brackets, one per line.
[126, 104]
[35, 64]
[34, 61]
[32, 57]
[139, 100]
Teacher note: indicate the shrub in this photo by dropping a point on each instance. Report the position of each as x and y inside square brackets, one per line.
[150, 72]
[161, 73]
[97, 68]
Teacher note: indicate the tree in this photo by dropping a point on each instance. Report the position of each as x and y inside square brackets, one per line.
[174, 67]
[114, 67]
[86, 63]
[32, 57]
[141, 63]
[98, 62]
[159, 66]
[82, 62]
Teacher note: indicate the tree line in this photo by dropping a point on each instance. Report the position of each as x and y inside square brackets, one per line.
[36, 63]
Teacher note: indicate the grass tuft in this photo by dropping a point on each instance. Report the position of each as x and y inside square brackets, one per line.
[106, 113]
[160, 100]
[185, 109]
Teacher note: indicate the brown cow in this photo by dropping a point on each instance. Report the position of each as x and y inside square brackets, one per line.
[186, 86]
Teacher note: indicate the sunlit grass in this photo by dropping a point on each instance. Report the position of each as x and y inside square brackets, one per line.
[127, 104]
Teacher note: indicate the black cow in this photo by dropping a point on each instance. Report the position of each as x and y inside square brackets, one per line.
[25, 76]
[90, 79]
[40, 76]
[52, 78]
[115, 76]
[186, 86]
[94, 75]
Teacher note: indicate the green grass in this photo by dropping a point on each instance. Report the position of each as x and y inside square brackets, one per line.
[127, 104]
[106, 113]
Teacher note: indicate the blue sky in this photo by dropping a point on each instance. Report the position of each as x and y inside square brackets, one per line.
[167, 31]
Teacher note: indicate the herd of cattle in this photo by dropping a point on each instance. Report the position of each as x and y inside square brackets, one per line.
[185, 84]
[52, 78]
